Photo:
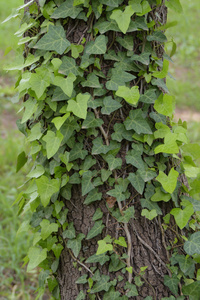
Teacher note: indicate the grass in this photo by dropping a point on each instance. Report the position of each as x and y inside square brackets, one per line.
[15, 283]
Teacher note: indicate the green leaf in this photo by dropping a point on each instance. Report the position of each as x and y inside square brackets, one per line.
[66, 84]
[95, 230]
[70, 233]
[163, 73]
[86, 183]
[69, 66]
[53, 142]
[82, 279]
[40, 80]
[81, 296]
[149, 96]
[137, 182]
[118, 78]
[149, 214]
[175, 5]
[131, 95]
[123, 19]
[36, 256]
[160, 196]
[98, 214]
[157, 36]
[192, 149]
[182, 216]
[101, 285]
[47, 228]
[151, 205]
[79, 107]
[132, 290]
[121, 241]
[192, 290]
[110, 105]
[66, 9]
[170, 146]
[101, 258]
[165, 105]
[75, 244]
[46, 188]
[127, 215]
[168, 182]
[126, 42]
[99, 46]
[92, 81]
[103, 247]
[172, 283]
[59, 121]
[91, 121]
[77, 152]
[21, 161]
[117, 192]
[54, 40]
[146, 174]
[137, 122]
[121, 133]
[30, 106]
[113, 162]
[93, 196]
[112, 3]
[36, 172]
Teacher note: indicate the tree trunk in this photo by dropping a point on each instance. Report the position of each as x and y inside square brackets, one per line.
[147, 240]
[147, 243]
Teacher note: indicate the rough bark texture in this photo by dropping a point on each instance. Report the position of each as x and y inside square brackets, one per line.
[148, 241]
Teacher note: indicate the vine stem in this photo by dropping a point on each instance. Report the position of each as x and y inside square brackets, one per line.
[105, 135]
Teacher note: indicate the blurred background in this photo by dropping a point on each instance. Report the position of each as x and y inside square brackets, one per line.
[14, 282]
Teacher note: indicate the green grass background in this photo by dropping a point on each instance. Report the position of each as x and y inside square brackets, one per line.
[15, 283]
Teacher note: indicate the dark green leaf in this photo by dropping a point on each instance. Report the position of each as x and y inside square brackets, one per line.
[95, 230]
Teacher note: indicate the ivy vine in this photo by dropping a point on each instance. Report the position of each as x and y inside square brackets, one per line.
[116, 66]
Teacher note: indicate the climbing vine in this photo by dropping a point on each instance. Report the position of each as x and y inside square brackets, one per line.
[99, 121]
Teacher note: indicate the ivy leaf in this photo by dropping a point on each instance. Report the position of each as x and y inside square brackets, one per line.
[149, 96]
[163, 73]
[82, 279]
[59, 121]
[165, 105]
[113, 162]
[121, 133]
[40, 80]
[21, 161]
[87, 185]
[192, 246]
[79, 107]
[131, 95]
[112, 3]
[117, 192]
[192, 289]
[101, 258]
[77, 152]
[137, 122]
[182, 216]
[134, 158]
[36, 256]
[69, 66]
[97, 215]
[92, 197]
[160, 196]
[170, 146]
[146, 174]
[53, 142]
[137, 182]
[132, 290]
[168, 182]
[126, 42]
[172, 283]
[92, 81]
[54, 40]
[192, 149]
[128, 214]
[91, 121]
[175, 5]
[103, 247]
[75, 244]
[46, 188]
[66, 84]
[81, 296]
[151, 206]
[118, 78]
[157, 36]
[149, 214]
[47, 228]
[123, 19]
[66, 9]
[30, 106]
[101, 285]
[70, 233]
[95, 230]
[110, 105]
[99, 46]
